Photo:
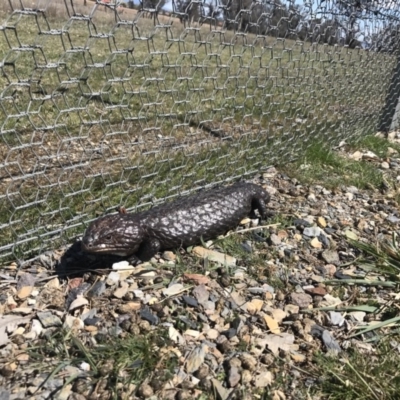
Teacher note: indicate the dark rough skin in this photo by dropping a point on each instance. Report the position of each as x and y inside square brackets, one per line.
[182, 222]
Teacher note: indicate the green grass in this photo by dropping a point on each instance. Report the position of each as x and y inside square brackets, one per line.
[378, 145]
[92, 138]
[350, 377]
[322, 165]
[116, 362]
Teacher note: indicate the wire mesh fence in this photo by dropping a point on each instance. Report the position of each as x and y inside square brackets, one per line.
[105, 103]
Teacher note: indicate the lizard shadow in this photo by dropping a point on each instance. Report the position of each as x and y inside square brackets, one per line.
[75, 262]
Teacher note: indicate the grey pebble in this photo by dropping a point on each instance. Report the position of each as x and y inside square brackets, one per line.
[324, 240]
[259, 238]
[302, 300]
[26, 279]
[274, 240]
[209, 305]
[313, 231]
[330, 342]
[91, 321]
[188, 322]
[336, 318]
[74, 293]
[230, 333]
[300, 222]
[247, 247]
[190, 301]
[48, 319]
[233, 377]
[53, 384]
[201, 293]
[393, 219]
[4, 394]
[97, 289]
[148, 316]
[331, 257]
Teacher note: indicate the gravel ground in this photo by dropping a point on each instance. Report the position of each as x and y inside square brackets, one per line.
[225, 320]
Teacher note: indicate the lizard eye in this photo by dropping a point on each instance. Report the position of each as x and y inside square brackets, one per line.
[108, 237]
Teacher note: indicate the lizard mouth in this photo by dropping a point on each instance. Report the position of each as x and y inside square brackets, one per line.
[102, 249]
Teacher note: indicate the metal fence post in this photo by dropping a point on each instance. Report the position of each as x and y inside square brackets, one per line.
[390, 117]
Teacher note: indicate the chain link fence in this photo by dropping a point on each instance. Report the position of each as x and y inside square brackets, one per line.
[104, 103]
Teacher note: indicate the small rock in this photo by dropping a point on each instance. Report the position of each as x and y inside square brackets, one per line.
[297, 357]
[274, 240]
[272, 324]
[113, 278]
[358, 315]
[254, 306]
[385, 165]
[331, 257]
[302, 300]
[349, 196]
[292, 309]
[330, 342]
[316, 243]
[393, 219]
[301, 222]
[249, 362]
[313, 231]
[264, 379]
[247, 376]
[129, 307]
[172, 290]
[73, 323]
[121, 292]
[190, 301]
[120, 265]
[316, 291]
[148, 316]
[198, 278]
[48, 319]
[351, 235]
[278, 314]
[80, 301]
[357, 155]
[223, 393]
[212, 334]
[311, 197]
[233, 377]
[370, 154]
[329, 269]
[169, 256]
[336, 318]
[24, 292]
[215, 256]
[321, 222]
[195, 359]
[145, 391]
[97, 289]
[4, 394]
[201, 294]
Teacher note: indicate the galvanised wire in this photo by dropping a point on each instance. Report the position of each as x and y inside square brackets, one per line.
[104, 103]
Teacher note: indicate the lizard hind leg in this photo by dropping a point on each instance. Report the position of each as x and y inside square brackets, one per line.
[260, 204]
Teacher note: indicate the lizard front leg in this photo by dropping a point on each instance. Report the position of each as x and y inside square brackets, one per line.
[148, 249]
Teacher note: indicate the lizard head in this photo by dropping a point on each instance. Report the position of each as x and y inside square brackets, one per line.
[113, 234]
